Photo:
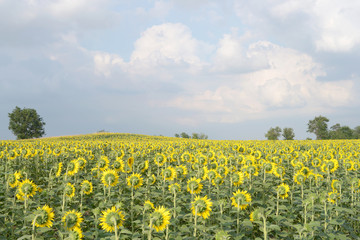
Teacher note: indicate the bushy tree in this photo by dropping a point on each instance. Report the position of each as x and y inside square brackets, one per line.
[26, 123]
[319, 127]
[356, 132]
[288, 134]
[273, 133]
[341, 132]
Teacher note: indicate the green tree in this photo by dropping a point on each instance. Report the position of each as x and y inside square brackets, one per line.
[273, 133]
[184, 135]
[340, 132]
[319, 127]
[356, 132]
[26, 123]
[288, 134]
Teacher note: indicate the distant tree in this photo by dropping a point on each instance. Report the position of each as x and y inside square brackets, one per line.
[319, 127]
[195, 136]
[340, 132]
[273, 133]
[356, 132]
[26, 123]
[288, 134]
[184, 135]
[203, 136]
[177, 135]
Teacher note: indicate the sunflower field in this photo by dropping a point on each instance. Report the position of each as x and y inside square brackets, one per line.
[127, 186]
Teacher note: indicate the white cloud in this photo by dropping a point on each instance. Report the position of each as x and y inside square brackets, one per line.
[328, 25]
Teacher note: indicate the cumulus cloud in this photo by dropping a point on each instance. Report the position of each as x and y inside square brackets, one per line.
[328, 25]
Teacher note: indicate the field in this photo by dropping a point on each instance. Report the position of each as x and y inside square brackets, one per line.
[125, 186]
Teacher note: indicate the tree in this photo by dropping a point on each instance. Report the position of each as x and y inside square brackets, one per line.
[26, 123]
[273, 133]
[184, 135]
[288, 134]
[341, 132]
[177, 135]
[319, 127]
[356, 132]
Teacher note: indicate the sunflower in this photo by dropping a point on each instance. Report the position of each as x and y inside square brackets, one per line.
[72, 219]
[279, 171]
[135, 180]
[86, 187]
[160, 159]
[194, 185]
[299, 178]
[110, 217]
[103, 163]
[148, 205]
[283, 190]
[336, 185]
[58, 172]
[333, 197]
[153, 179]
[76, 233]
[186, 157]
[69, 190]
[175, 187]
[72, 167]
[241, 199]
[130, 162]
[118, 165]
[181, 171]
[160, 218]
[201, 206]
[169, 173]
[81, 162]
[44, 217]
[27, 188]
[109, 178]
[13, 179]
[316, 162]
[210, 174]
[237, 178]
[218, 180]
[222, 170]
[145, 166]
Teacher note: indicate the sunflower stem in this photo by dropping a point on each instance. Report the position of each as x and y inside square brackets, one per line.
[195, 223]
[116, 230]
[237, 217]
[265, 230]
[277, 204]
[33, 227]
[132, 209]
[174, 204]
[81, 200]
[149, 234]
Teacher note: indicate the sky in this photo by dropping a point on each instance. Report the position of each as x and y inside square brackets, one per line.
[231, 69]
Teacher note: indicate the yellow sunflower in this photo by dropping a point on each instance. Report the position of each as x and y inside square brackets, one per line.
[299, 178]
[283, 190]
[237, 178]
[110, 218]
[201, 206]
[130, 162]
[148, 205]
[69, 190]
[160, 159]
[58, 172]
[175, 187]
[169, 173]
[13, 179]
[27, 188]
[103, 163]
[109, 178]
[86, 187]
[160, 218]
[333, 197]
[44, 216]
[81, 162]
[194, 186]
[72, 167]
[135, 180]
[72, 219]
[241, 199]
[145, 166]
[336, 185]
[76, 233]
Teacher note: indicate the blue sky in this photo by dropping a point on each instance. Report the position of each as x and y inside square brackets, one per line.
[230, 69]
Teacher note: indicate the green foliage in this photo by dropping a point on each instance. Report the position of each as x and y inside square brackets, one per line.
[194, 135]
[340, 132]
[319, 127]
[288, 134]
[26, 123]
[273, 133]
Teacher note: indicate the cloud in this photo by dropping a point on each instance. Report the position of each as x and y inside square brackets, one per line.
[326, 25]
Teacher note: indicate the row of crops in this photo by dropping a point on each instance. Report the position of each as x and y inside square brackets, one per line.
[122, 186]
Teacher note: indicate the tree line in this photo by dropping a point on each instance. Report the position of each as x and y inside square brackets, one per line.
[318, 126]
[193, 135]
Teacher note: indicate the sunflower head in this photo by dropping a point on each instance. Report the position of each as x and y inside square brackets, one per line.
[336, 185]
[81, 162]
[333, 197]
[103, 163]
[160, 159]
[169, 173]
[72, 167]
[257, 214]
[241, 199]
[299, 178]
[112, 218]
[76, 234]
[86, 187]
[201, 206]
[148, 205]
[109, 178]
[194, 185]
[160, 218]
[181, 170]
[175, 187]
[27, 188]
[69, 190]
[72, 219]
[283, 190]
[45, 217]
[237, 178]
[135, 180]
